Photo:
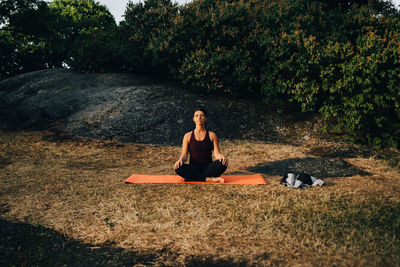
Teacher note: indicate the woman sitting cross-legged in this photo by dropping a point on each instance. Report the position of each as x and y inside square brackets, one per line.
[200, 143]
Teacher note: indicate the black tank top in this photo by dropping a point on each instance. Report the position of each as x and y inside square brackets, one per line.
[200, 151]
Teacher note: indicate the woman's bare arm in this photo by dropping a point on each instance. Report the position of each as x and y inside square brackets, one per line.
[217, 153]
[184, 153]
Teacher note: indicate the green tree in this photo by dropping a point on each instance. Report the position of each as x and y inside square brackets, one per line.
[24, 31]
[144, 35]
[75, 33]
[84, 34]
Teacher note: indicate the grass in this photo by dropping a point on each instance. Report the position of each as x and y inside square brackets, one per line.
[75, 187]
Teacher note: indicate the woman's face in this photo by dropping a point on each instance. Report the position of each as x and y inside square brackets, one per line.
[199, 117]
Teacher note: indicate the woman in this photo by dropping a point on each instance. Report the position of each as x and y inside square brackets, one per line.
[200, 143]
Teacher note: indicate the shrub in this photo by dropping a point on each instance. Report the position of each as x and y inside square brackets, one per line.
[364, 93]
[352, 83]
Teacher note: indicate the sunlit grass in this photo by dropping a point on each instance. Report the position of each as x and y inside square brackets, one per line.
[76, 187]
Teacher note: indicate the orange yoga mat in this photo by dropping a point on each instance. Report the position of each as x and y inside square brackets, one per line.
[175, 179]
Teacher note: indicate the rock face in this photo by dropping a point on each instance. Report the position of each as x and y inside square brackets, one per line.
[124, 107]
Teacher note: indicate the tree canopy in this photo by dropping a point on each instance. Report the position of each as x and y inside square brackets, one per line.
[37, 35]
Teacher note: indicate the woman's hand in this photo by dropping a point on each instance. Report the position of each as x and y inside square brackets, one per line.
[223, 160]
[178, 163]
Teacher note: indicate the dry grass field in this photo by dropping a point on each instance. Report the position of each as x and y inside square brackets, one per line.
[63, 201]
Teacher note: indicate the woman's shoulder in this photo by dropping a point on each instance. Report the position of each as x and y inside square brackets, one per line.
[212, 135]
[187, 135]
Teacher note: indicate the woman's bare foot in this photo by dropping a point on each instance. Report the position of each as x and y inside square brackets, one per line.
[215, 179]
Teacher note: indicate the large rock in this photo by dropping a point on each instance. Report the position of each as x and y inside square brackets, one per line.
[125, 107]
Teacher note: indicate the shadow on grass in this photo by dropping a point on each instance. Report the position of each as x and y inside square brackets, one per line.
[318, 167]
[24, 244]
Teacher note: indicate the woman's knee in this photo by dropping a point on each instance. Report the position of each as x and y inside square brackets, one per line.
[215, 169]
[220, 166]
[179, 170]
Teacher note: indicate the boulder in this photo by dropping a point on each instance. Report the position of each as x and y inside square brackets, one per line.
[124, 107]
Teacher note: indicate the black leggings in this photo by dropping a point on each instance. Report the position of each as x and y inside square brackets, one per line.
[192, 172]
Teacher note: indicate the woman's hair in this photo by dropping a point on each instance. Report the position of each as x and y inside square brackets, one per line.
[200, 109]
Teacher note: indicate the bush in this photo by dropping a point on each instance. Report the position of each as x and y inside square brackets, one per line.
[352, 83]
[364, 94]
